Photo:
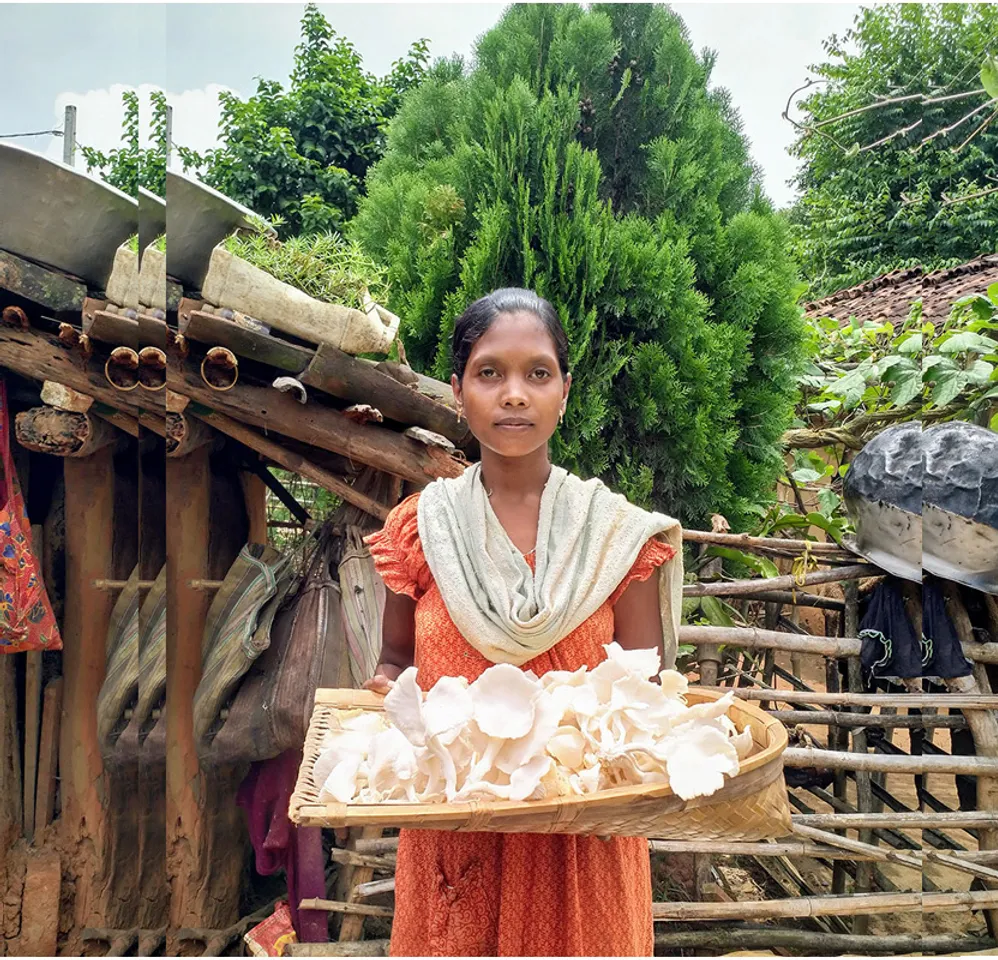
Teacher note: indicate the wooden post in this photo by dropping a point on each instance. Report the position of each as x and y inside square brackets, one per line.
[89, 549]
[188, 498]
[255, 495]
[205, 835]
[864, 796]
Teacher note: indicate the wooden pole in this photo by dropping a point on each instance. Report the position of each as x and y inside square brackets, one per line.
[832, 906]
[61, 433]
[837, 760]
[838, 718]
[953, 701]
[805, 942]
[313, 423]
[857, 846]
[48, 755]
[965, 820]
[188, 501]
[90, 484]
[754, 638]
[743, 541]
[291, 461]
[748, 588]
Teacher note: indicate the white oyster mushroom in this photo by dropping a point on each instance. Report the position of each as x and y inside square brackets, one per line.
[504, 702]
[673, 683]
[602, 679]
[566, 678]
[698, 761]
[525, 782]
[743, 743]
[404, 706]
[567, 747]
[341, 784]
[517, 753]
[645, 662]
[447, 709]
[392, 762]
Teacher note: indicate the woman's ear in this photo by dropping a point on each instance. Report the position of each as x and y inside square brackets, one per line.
[567, 386]
[455, 385]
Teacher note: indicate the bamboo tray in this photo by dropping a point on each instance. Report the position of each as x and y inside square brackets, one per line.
[750, 806]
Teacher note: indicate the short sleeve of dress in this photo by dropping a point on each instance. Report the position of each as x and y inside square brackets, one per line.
[397, 551]
[653, 555]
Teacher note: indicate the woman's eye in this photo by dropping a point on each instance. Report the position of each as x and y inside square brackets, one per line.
[541, 374]
[487, 372]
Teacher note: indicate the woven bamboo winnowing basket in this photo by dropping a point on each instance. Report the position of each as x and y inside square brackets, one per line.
[750, 806]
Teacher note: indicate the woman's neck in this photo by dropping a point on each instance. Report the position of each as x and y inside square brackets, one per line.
[515, 479]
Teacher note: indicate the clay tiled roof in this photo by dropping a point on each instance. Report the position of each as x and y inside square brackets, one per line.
[890, 297]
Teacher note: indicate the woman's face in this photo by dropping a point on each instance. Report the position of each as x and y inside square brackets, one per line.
[512, 391]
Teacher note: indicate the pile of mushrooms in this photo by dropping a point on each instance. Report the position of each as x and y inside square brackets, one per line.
[511, 735]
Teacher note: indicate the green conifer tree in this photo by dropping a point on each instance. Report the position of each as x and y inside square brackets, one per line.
[584, 155]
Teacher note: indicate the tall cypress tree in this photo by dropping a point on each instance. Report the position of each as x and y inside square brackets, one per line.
[584, 155]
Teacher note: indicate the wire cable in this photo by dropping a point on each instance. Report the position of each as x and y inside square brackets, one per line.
[37, 133]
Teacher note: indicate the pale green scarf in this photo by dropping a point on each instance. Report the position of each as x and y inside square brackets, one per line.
[587, 540]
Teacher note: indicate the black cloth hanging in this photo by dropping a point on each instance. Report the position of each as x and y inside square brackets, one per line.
[942, 655]
[889, 647]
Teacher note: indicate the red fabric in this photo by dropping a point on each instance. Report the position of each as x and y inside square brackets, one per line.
[495, 894]
[26, 618]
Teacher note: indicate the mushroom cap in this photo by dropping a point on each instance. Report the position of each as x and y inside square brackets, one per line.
[504, 702]
[404, 706]
[698, 761]
[447, 709]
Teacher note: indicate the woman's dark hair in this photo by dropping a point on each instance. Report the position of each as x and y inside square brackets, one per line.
[472, 325]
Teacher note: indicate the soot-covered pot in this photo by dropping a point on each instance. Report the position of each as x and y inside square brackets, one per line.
[960, 504]
[883, 495]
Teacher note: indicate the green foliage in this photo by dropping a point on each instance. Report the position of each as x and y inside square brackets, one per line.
[130, 166]
[870, 373]
[876, 195]
[584, 156]
[324, 265]
[302, 153]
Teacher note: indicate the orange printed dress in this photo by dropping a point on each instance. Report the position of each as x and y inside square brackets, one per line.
[495, 894]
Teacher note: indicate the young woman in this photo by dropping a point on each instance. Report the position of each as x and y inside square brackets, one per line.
[519, 562]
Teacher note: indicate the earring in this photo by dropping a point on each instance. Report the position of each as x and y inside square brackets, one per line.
[460, 413]
[561, 417]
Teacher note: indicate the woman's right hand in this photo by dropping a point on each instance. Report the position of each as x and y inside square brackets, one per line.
[384, 679]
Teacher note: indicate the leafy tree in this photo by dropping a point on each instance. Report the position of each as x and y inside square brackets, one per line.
[302, 153]
[585, 156]
[130, 166]
[899, 156]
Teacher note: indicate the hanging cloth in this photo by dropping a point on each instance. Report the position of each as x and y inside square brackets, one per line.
[889, 647]
[26, 618]
[942, 655]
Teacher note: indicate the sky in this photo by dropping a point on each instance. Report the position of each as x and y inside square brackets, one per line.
[195, 50]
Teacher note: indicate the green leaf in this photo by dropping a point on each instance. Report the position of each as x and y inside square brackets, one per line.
[831, 527]
[961, 342]
[993, 293]
[989, 77]
[910, 343]
[806, 475]
[760, 564]
[829, 501]
[993, 423]
[714, 611]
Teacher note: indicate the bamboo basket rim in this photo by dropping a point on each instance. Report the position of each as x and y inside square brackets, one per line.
[304, 808]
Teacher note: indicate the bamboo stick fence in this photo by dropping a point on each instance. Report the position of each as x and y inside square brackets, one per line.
[867, 850]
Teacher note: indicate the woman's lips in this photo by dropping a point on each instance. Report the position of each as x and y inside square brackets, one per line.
[514, 425]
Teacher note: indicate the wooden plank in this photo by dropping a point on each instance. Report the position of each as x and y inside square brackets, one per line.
[356, 948]
[217, 331]
[53, 291]
[313, 423]
[32, 728]
[375, 887]
[808, 942]
[48, 755]
[352, 926]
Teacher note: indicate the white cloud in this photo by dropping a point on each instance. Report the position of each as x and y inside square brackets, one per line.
[195, 118]
[100, 114]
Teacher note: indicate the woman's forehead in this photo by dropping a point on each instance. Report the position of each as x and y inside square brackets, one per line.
[521, 332]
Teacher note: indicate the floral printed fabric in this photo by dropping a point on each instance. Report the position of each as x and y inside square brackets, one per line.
[26, 618]
[495, 894]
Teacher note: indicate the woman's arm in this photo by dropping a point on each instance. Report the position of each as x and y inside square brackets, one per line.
[637, 621]
[398, 644]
